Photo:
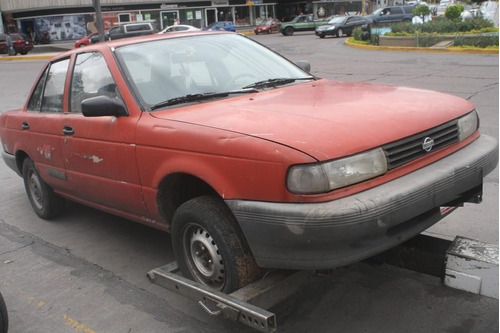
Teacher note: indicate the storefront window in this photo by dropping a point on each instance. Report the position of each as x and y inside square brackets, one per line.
[242, 15]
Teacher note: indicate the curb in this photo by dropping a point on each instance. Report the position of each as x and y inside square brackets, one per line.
[28, 57]
[420, 49]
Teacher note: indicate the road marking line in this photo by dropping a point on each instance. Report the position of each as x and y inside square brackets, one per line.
[79, 327]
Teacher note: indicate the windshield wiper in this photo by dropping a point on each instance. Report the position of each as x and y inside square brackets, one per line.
[269, 83]
[199, 97]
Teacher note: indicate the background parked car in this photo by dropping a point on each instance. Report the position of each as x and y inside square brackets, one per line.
[268, 27]
[178, 28]
[340, 26]
[86, 40]
[129, 30]
[391, 14]
[20, 44]
[301, 23]
[221, 25]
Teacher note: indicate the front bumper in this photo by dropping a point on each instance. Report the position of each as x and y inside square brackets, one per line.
[341, 232]
[325, 32]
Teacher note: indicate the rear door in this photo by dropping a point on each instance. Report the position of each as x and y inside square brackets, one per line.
[41, 124]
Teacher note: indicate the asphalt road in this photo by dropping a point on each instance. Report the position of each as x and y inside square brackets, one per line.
[86, 271]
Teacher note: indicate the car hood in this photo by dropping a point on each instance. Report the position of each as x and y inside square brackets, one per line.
[326, 119]
[326, 26]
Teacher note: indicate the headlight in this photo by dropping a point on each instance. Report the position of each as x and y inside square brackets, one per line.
[327, 176]
[467, 125]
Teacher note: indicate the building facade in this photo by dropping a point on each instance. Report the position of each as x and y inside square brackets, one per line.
[62, 20]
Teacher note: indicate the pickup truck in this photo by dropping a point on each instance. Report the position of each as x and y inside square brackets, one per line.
[301, 23]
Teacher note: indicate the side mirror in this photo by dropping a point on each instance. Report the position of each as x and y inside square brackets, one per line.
[304, 64]
[103, 106]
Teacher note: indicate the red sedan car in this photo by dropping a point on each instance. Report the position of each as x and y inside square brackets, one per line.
[20, 44]
[267, 27]
[243, 156]
[85, 41]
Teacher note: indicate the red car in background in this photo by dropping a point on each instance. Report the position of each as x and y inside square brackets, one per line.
[268, 27]
[20, 44]
[85, 40]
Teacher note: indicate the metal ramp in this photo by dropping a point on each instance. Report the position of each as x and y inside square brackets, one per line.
[247, 305]
[463, 264]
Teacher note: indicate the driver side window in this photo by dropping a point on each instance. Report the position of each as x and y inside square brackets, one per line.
[91, 78]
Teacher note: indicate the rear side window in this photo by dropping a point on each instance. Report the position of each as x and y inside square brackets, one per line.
[138, 27]
[396, 10]
[409, 9]
[49, 91]
[15, 37]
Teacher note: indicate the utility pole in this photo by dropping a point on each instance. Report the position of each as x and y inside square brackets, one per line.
[98, 19]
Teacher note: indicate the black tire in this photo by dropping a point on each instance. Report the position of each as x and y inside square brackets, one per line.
[340, 33]
[288, 31]
[4, 318]
[210, 247]
[321, 36]
[44, 201]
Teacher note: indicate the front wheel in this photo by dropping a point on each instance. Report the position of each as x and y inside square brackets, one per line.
[340, 33]
[209, 246]
[44, 201]
[288, 31]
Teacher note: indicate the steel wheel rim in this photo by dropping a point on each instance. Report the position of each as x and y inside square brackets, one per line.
[203, 257]
[35, 188]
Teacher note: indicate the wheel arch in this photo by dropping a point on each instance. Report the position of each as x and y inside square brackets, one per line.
[177, 188]
[20, 157]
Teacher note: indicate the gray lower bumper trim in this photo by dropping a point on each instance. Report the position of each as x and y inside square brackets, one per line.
[340, 232]
[11, 162]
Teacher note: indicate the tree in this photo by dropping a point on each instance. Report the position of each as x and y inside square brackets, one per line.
[422, 11]
[453, 12]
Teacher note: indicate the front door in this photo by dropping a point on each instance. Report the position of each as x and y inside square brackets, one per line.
[100, 151]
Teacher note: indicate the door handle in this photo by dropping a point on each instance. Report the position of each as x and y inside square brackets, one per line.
[25, 126]
[68, 130]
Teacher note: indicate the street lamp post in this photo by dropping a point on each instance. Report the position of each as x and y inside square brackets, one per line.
[98, 19]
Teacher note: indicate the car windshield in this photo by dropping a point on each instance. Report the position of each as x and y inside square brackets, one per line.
[164, 72]
[378, 11]
[268, 22]
[337, 20]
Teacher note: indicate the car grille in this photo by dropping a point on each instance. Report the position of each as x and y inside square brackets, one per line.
[411, 148]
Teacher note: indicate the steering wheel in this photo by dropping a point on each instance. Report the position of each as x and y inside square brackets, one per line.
[249, 78]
